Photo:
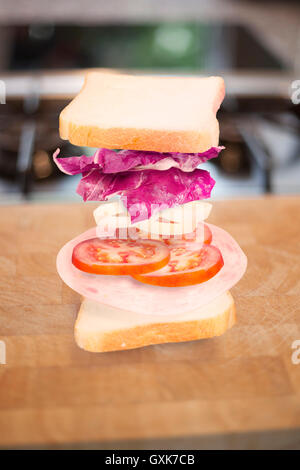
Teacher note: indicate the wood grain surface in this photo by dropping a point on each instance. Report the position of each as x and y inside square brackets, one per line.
[240, 390]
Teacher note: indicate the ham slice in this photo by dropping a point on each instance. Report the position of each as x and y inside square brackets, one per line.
[128, 294]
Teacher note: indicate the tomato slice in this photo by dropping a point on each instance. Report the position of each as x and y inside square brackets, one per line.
[114, 256]
[189, 264]
[202, 234]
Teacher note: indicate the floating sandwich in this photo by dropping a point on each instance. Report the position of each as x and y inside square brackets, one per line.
[151, 270]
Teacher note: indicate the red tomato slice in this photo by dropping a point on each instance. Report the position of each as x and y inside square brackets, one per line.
[189, 264]
[114, 256]
[202, 234]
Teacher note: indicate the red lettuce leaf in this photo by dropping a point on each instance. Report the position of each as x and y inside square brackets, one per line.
[146, 192]
[109, 161]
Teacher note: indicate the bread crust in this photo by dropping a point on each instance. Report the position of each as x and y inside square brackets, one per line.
[155, 333]
[136, 139]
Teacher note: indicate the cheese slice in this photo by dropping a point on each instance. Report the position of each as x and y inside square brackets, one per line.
[110, 216]
[178, 220]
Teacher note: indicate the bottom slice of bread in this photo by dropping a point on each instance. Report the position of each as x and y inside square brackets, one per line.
[101, 328]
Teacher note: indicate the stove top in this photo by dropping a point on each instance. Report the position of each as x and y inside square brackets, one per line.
[184, 46]
[28, 124]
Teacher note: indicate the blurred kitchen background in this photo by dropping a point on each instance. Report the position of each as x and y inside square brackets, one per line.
[45, 47]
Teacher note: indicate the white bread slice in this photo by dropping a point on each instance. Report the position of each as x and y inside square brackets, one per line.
[101, 328]
[163, 114]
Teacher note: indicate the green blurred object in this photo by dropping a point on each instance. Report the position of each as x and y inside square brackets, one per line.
[171, 45]
[186, 46]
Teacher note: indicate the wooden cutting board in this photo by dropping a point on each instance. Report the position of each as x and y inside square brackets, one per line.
[240, 390]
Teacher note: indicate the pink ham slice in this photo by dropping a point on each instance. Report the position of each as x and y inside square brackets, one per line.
[128, 294]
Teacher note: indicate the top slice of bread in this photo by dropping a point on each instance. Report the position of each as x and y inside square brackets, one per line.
[163, 114]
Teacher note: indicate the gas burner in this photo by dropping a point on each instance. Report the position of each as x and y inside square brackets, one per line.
[28, 138]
